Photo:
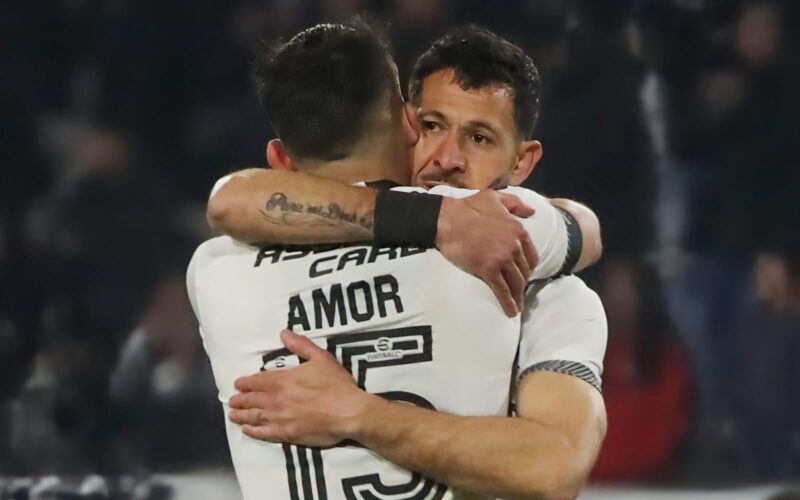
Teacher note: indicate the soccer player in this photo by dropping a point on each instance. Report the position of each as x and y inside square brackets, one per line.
[238, 291]
[301, 204]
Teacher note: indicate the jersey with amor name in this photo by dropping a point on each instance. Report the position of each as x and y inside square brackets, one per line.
[405, 322]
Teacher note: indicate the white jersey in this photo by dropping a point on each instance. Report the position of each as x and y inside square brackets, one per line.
[564, 330]
[404, 321]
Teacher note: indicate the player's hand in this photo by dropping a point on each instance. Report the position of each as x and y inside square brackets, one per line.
[480, 235]
[314, 404]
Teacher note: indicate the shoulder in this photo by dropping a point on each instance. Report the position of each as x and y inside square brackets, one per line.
[529, 196]
[201, 267]
[214, 248]
[565, 309]
[568, 293]
[564, 329]
[221, 246]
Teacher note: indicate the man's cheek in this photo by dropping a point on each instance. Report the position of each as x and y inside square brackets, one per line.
[425, 148]
[485, 176]
[478, 173]
[419, 164]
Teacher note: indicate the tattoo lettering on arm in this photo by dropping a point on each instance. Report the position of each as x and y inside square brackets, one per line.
[280, 210]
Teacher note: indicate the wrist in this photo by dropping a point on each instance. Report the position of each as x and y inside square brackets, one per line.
[444, 225]
[367, 407]
[403, 218]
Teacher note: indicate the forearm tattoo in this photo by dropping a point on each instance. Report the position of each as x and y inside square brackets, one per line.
[280, 210]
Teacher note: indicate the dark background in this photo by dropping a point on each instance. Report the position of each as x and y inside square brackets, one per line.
[676, 120]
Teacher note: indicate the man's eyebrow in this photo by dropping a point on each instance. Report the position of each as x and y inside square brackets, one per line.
[475, 124]
[432, 113]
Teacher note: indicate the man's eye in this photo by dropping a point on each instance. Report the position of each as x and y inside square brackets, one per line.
[429, 125]
[480, 139]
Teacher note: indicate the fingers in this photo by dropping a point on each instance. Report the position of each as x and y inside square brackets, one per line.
[252, 383]
[515, 205]
[248, 417]
[264, 381]
[516, 283]
[502, 291]
[261, 432]
[249, 400]
[303, 346]
[521, 261]
[529, 250]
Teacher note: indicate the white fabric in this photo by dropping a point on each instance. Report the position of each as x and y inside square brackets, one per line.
[243, 303]
[546, 227]
[563, 320]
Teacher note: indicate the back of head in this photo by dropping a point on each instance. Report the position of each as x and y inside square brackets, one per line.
[480, 58]
[324, 88]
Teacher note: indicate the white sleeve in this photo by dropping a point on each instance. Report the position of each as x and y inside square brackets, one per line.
[191, 290]
[554, 234]
[564, 330]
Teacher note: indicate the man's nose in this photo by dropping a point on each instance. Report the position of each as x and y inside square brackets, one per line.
[449, 156]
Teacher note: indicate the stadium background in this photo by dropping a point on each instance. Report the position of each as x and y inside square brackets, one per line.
[676, 120]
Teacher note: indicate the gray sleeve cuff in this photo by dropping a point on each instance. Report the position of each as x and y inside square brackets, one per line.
[574, 243]
[567, 368]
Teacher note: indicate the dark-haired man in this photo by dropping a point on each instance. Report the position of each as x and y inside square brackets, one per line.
[442, 342]
[497, 140]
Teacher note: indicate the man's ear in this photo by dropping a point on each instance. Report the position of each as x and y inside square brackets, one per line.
[410, 123]
[530, 153]
[277, 157]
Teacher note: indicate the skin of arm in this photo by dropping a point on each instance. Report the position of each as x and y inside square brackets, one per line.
[477, 233]
[259, 205]
[546, 452]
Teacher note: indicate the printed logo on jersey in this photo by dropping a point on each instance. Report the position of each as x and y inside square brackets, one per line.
[384, 351]
[360, 351]
[279, 360]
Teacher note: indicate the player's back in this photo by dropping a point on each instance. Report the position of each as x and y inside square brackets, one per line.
[405, 322]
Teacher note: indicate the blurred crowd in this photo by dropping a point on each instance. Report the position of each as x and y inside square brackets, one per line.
[675, 120]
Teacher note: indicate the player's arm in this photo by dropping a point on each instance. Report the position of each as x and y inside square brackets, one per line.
[566, 233]
[589, 224]
[477, 233]
[260, 205]
[545, 452]
[550, 448]
[268, 205]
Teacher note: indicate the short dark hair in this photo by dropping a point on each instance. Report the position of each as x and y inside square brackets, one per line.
[320, 87]
[480, 58]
